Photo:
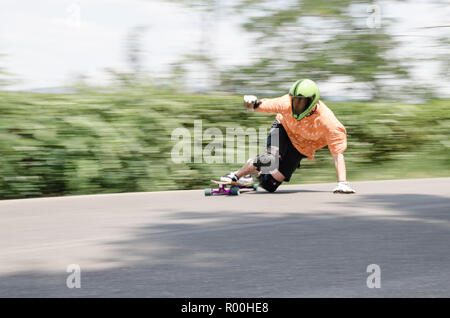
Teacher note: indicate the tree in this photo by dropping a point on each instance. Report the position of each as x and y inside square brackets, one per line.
[316, 39]
[201, 60]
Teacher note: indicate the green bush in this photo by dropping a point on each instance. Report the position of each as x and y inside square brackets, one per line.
[120, 141]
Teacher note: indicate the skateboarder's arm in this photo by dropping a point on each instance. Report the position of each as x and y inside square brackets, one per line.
[343, 186]
[336, 136]
[337, 143]
[279, 105]
[339, 163]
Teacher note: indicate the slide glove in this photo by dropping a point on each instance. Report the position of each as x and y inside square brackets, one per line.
[251, 102]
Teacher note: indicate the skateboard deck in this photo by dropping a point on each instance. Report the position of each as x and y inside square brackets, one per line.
[233, 183]
[233, 189]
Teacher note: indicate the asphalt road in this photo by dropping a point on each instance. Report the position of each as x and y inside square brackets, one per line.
[302, 241]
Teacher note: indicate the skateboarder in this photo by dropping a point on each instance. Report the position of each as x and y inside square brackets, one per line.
[303, 124]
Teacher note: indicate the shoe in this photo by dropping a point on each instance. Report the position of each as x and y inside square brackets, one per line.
[246, 179]
[231, 177]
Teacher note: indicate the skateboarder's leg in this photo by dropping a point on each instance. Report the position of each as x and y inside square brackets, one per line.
[246, 169]
[288, 164]
[275, 165]
[249, 168]
[285, 159]
[268, 182]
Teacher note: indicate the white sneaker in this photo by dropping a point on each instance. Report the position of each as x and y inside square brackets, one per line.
[231, 177]
[246, 179]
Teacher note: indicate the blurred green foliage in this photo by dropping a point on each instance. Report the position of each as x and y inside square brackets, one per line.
[326, 40]
[120, 141]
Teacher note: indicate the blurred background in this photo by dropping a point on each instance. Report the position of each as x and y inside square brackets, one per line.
[91, 91]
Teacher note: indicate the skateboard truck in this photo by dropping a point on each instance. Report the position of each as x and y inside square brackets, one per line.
[234, 188]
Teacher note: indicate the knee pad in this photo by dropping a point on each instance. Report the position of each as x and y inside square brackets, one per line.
[268, 182]
[265, 160]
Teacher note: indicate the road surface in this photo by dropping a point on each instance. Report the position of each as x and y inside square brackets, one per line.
[302, 241]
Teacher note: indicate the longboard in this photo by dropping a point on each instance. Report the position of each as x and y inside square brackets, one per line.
[234, 183]
[233, 189]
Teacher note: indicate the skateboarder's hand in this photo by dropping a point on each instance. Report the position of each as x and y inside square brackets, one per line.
[251, 102]
[343, 187]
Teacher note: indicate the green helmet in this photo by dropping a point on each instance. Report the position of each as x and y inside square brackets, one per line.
[305, 88]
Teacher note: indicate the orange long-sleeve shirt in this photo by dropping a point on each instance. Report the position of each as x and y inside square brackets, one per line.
[311, 133]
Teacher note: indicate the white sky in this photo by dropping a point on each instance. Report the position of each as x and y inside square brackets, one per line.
[45, 44]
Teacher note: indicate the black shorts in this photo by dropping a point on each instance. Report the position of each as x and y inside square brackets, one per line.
[289, 156]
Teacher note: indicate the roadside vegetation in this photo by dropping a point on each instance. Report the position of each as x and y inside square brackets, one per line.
[108, 141]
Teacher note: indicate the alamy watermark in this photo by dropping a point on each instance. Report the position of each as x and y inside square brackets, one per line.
[373, 21]
[374, 279]
[234, 145]
[74, 279]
